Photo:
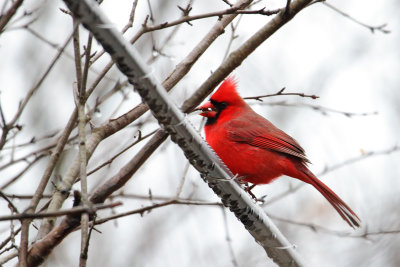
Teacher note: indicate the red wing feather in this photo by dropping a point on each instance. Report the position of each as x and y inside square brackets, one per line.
[264, 135]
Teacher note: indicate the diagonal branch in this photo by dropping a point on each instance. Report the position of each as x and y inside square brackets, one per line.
[5, 18]
[381, 28]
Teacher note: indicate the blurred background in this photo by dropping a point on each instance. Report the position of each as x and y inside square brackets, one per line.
[350, 133]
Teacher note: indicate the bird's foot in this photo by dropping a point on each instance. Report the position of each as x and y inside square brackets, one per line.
[248, 189]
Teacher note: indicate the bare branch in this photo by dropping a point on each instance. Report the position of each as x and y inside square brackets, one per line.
[5, 18]
[139, 139]
[28, 96]
[143, 210]
[187, 19]
[380, 28]
[131, 17]
[126, 172]
[22, 172]
[8, 239]
[322, 109]
[19, 196]
[10, 204]
[279, 93]
[72, 211]
[233, 37]
[229, 239]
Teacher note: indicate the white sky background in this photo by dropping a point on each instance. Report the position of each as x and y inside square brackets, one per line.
[319, 52]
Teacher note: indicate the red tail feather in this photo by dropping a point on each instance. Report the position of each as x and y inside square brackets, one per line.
[340, 206]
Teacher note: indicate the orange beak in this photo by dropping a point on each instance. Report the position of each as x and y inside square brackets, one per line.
[207, 110]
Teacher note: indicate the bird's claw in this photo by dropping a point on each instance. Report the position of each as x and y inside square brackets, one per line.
[248, 189]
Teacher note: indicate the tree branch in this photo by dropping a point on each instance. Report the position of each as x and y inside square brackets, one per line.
[380, 28]
[5, 18]
[72, 211]
[322, 109]
[280, 92]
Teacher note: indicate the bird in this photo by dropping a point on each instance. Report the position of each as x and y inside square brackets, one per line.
[255, 150]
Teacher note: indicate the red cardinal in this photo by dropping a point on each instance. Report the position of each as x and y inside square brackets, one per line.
[257, 151]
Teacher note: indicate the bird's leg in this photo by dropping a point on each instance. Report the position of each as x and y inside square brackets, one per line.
[248, 189]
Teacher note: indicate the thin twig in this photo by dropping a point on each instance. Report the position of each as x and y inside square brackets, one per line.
[280, 93]
[30, 93]
[26, 158]
[186, 19]
[131, 17]
[22, 172]
[182, 180]
[8, 239]
[73, 211]
[108, 162]
[124, 29]
[153, 197]
[10, 204]
[20, 196]
[3, 119]
[41, 37]
[322, 109]
[143, 210]
[228, 238]
[233, 37]
[380, 28]
[159, 51]
[33, 140]
[186, 168]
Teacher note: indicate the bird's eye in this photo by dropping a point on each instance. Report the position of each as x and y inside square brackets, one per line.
[219, 105]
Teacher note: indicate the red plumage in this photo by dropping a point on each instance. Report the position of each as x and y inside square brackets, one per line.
[256, 150]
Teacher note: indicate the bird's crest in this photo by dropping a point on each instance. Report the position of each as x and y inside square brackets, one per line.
[227, 92]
